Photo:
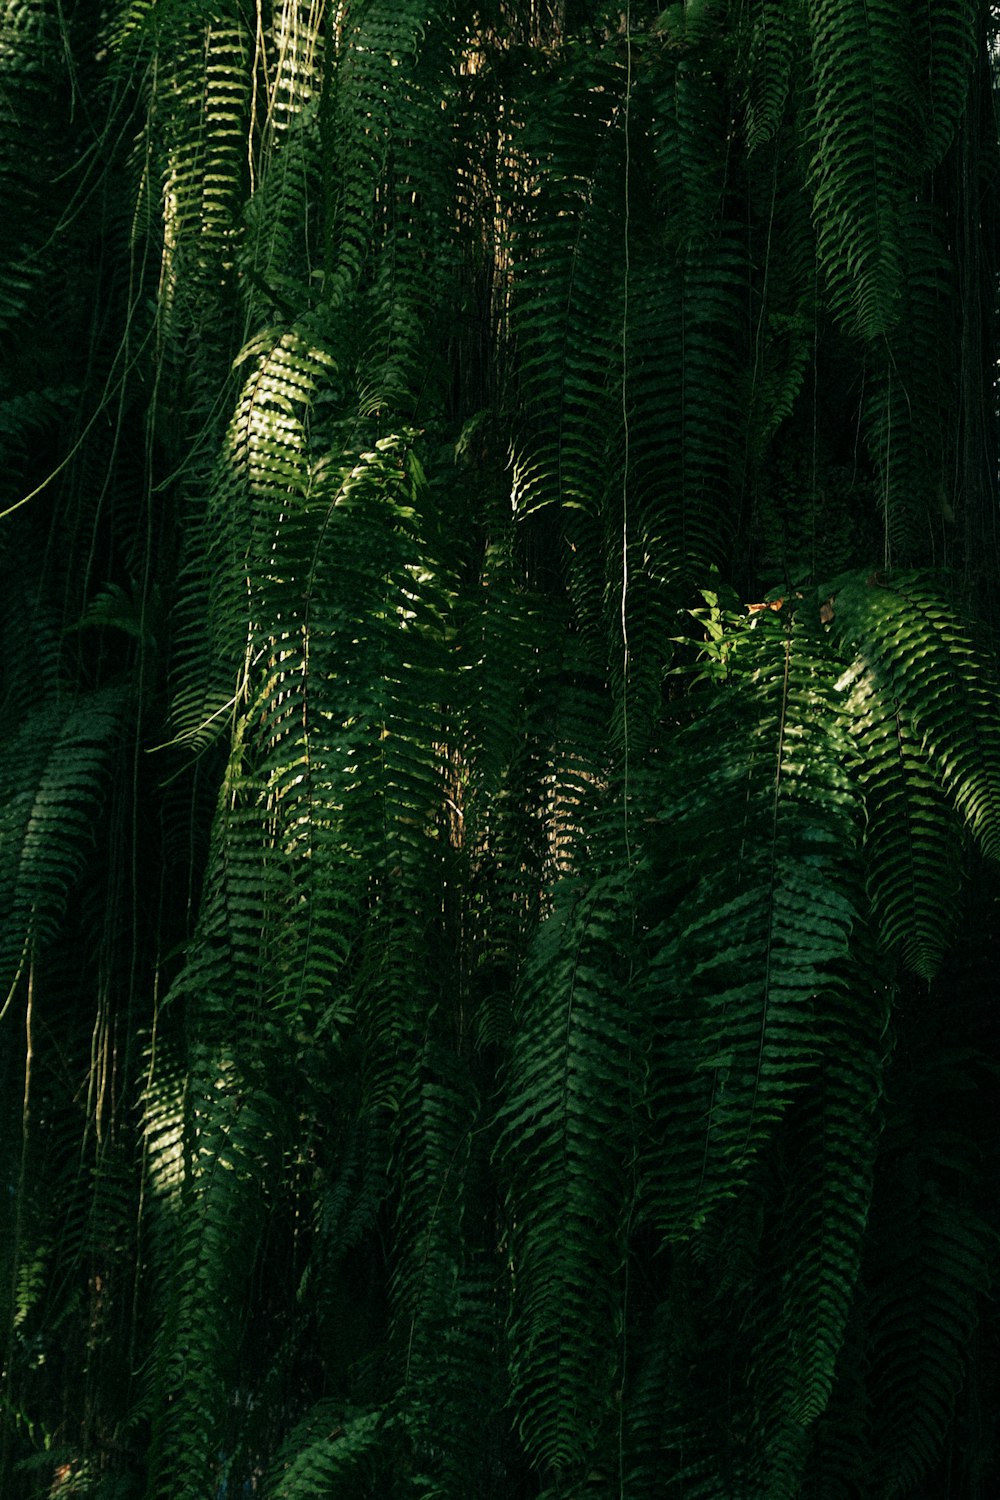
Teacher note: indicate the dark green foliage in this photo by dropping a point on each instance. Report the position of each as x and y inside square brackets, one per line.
[500, 790]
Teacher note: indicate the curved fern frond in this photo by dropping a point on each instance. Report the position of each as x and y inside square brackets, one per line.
[56, 775]
[30, 56]
[831, 1148]
[917, 652]
[206, 100]
[933, 1254]
[687, 326]
[328, 1452]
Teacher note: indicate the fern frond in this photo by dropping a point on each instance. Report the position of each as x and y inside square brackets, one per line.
[918, 653]
[910, 431]
[229, 1127]
[280, 250]
[565, 317]
[29, 87]
[757, 953]
[866, 117]
[328, 1452]
[206, 100]
[444, 1313]
[56, 775]
[943, 49]
[775, 34]
[687, 327]
[831, 1146]
[565, 1145]
[935, 1266]
[911, 844]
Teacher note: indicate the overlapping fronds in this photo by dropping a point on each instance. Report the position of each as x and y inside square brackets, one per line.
[755, 956]
[280, 249]
[491, 1009]
[29, 73]
[198, 140]
[331, 1447]
[942, 60]
[390, 194]
[804, 1332]
[686, 322]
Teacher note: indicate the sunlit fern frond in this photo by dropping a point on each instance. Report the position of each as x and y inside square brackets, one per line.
[916, 651]
[754, 952]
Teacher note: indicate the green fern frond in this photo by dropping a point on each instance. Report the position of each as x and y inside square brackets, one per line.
[444, 1305]
[912, 846]
[866, 117]
[686, 329]
[30, 107]
[279, 256]
[265, 459]
[831, 1149]
[565, 317]
[206, 102]
[328, 1452]
[757, 953]
[918, 653]
[387, 128]
[910, 431]
[57, 769]
[937, 1264]
[775, 29]
[228, 1133]
[944, 54]
[565, 1146]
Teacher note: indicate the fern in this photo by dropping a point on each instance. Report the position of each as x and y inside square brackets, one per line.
[866, 116]
[757, 953]
[909, 436]
[912, 840]
[946, 36]
[57, 770]
[568, 355]
[29, 75]
[325, 1450]
[565, 1145]
[927, 1281]
[915, 650]
[768, 70]
[804, 1349]
[491, 1013]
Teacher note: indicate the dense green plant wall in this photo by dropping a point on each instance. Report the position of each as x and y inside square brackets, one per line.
[500, 791]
